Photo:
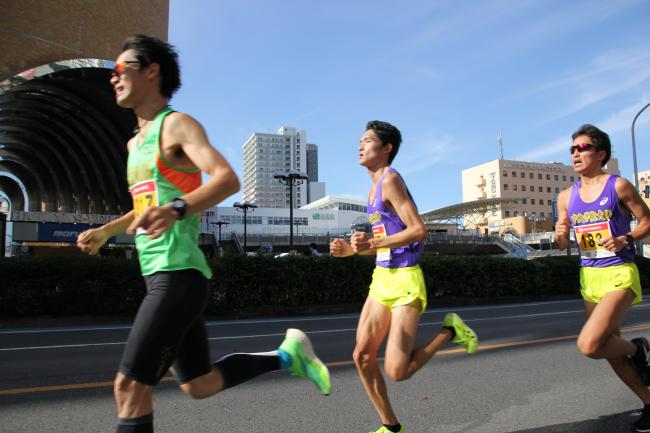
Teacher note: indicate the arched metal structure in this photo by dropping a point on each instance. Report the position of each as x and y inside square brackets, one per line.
[470, 213]
[64, 138]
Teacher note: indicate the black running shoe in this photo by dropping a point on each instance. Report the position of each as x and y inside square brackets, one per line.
[641, 358]
[643, 424]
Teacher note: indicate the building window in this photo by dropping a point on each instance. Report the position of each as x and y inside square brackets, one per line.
[539, 176]
[514, 174]
[505, 173]
[572, 179]
[514, 187]
[524, 201]
[549, 202]
[523, 175]
[540, 189]
[541, 214]
[516, 213]
[531, 176]
[532, 201]
[505, 187]
[548, 189]
[548, 177]
[507, 214]
[555, 177]
[564, 178]
[523, 187]
[557, 190]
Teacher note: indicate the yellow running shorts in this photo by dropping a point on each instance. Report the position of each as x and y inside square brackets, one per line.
[597, 282]
[394, 287]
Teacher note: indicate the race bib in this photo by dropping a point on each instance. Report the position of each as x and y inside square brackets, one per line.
[383, 254]
[145, 195]
[589, 236]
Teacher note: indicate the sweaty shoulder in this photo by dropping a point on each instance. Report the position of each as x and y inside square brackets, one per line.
[180, 121]
[393, 185]
[624, 188]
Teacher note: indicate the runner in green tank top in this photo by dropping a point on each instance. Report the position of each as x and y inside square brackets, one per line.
[154, 181]
[166, 159]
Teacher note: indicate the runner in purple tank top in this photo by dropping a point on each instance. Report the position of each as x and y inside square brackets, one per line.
[397, 294]
[599, 207]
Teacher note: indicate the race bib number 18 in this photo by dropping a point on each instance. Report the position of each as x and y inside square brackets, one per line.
[383, 254]
[589, 236]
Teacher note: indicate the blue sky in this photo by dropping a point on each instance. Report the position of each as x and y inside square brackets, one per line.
[450, 75]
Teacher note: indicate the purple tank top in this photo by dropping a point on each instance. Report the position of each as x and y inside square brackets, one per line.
[385, 223]
[597, 220]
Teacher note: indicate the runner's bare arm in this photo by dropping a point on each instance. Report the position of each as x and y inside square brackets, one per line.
[629, 196]
[92, 240]
[396, 195]
[563, 224]
[184, 132]
[194, 142]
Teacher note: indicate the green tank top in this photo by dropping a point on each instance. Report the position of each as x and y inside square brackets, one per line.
[154, 182]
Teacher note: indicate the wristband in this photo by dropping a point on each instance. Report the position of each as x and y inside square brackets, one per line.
[371, 241]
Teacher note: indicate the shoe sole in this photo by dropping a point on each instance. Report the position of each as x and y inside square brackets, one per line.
[307, 347]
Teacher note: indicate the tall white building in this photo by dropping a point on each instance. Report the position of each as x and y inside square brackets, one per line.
[266, 154]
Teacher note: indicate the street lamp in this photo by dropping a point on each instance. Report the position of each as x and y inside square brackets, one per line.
[636, 175]
[245, 207]
[291, 178]
[220, 223]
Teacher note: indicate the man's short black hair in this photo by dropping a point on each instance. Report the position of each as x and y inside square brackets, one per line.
[150, 50]
[599, 138]
[387, 133]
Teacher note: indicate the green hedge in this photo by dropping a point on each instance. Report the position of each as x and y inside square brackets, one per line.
[52, 285]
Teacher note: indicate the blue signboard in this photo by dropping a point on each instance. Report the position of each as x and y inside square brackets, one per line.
[51, 232]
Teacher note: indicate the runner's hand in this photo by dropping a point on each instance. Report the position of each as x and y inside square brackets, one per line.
[91, 240]
[154, 221]
[340, 248]
[360, 242]
[562, 228]
[613, 243]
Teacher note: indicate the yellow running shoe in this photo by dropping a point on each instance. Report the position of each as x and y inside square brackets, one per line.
[465, 336]
[304, 362]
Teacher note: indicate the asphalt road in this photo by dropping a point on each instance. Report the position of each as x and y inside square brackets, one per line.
[528, 377]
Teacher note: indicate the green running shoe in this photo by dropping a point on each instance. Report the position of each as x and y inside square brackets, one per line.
[304, 362]
[465, 336]
[385, 430]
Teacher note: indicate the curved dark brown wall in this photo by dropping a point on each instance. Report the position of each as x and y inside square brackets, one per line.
[61, 134]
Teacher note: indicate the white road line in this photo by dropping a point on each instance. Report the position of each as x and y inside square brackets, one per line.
[281, 334]
[289, 319]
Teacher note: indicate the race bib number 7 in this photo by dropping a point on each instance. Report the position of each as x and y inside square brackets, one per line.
[589, 236]
[145, 195]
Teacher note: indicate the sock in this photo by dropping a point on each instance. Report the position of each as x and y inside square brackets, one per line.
[285, 359]
[452, 330]
[394, 428]
[237, 368]
[143, 424]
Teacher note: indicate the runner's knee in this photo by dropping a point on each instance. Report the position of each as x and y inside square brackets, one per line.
[588, 346]
[396, 371]
[363, 357]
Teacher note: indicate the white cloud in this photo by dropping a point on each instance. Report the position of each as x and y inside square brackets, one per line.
[619, 121]
[425, 153]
